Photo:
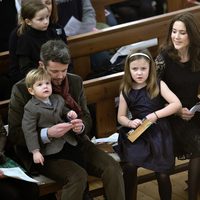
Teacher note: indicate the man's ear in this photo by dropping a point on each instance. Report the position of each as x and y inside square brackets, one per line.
[41, 64]
[31, 91]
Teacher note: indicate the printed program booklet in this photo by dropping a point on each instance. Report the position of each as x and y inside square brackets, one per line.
[16, 172]
[195, 108]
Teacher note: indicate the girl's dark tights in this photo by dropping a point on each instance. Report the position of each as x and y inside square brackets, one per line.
[193, 178]
[130, 181]
[164, 186]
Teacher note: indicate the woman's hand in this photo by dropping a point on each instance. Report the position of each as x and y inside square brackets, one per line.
[134, 123]
[185, 114]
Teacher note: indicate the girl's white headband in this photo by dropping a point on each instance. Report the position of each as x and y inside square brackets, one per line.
[140, 54]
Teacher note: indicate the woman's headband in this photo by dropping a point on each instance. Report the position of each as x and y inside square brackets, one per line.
[140, 54]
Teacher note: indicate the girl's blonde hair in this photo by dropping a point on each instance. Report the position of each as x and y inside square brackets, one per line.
[127, 81]
[28, 10]
[35, 75]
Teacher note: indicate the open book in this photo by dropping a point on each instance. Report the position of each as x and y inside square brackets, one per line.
[195, 108]
[134, 134]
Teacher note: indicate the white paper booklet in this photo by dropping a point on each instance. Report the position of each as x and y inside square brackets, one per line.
[111, 139]
[195, 108]
[16, 172]
[125, 50]
[75, 27]
[196, 2]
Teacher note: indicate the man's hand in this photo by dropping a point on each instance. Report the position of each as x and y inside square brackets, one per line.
[59, 130]
[77, 125]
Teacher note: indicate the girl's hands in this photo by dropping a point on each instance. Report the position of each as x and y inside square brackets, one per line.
[152, 117]
[134, 123]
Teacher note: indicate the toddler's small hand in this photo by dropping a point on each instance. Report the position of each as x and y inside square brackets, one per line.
[72, 115]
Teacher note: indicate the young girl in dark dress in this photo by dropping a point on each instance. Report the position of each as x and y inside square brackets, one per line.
[145, 97]
[179, 66]
[14, 69]
[34, 30]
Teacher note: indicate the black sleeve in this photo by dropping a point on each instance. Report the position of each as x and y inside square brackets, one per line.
[25, 65]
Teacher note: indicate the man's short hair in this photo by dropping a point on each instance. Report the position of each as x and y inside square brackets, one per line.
[56, 51]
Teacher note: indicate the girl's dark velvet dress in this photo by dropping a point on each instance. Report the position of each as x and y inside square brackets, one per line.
[154, 148]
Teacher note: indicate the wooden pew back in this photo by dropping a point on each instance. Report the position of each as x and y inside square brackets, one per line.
[120, 35]
[102, 92]
[177, 5]
[92, 89]
[106, 88]
[100, 5]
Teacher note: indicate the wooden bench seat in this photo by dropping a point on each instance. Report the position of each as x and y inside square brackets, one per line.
[105, 88]
[47, 185]
[103, 91]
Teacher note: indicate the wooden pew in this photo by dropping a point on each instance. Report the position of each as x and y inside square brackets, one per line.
[113, 37]
[100, 5]
[100, 91]
[103, 91]
[93, 44]
[108, 87]
[117, 36]
[177, 5]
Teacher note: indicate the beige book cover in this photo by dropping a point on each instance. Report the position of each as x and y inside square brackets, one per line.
[134, 134]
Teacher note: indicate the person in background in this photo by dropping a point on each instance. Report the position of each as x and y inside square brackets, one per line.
[54, 30]
[146, 98]
[72, 164]
[81, 11]
[44, 109]
[11, 188]
[132, 10]
[179, 66]
[77, 17]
